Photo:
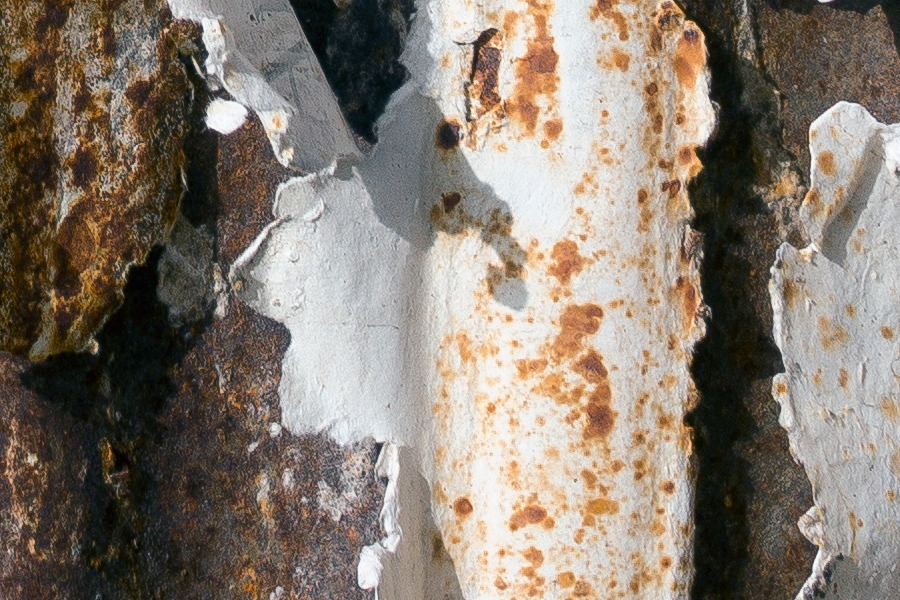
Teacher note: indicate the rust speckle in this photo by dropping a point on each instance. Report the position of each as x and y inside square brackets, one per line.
[500, 584]
[576, 322]
[671, 187]
[528, 367]
[484, 87]
[590, 366]
[890, 410]
[567, 261]
[622, 60]
[826, 164]
[602, 506]
[536, 76]
[690, 301]
[600, 420]
[832, 336]
[84, 167]
[553, 129]
[607, 10]
[448, 135]
[887, 333]
[462, 507]
[690, 56]
[843, 378]
[534, 556]
[781, 389]
[530, 515]
[566, 579]
[464, 345]
[668, 487]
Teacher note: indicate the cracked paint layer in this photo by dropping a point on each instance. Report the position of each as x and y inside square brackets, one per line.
[837, 319]
[507, 285]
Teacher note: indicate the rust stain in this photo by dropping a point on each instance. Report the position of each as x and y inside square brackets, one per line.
[887, 333]
[450, 201]
[567, 261]
[607, 9]
[448, 135]
[534, 556]
[827, 164]
[533, 514]
[602, 506]
[890, 409]
[832, 335]
[536, 77]
[462, 507]
[690, 56]
[553, 129]
[843, 378]
[576, 322]
[483, 90]
[528, 367]
[690, 301]
[791, 293]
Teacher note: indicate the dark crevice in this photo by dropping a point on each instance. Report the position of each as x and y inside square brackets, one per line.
[119, 392]
[738, 355]
[359, 44]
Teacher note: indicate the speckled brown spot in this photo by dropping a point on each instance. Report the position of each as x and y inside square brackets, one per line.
[887, 333]
[536, 78]
[566, 261]
[462, 507]
[553, 129]
[590, 366]
[832, 335]
[532, 514]
[826, 164]
[448, 135]
[450, 201]
[484, 88]
[576, 322]
[602, 506]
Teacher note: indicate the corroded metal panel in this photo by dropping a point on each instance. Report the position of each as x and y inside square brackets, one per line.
[93, 97]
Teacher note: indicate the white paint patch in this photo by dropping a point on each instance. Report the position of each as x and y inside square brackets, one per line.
[225, 116]
[837, 322]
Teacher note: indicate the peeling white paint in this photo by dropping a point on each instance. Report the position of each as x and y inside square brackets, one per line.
[258, 53]
[837, 322]
[225, 116]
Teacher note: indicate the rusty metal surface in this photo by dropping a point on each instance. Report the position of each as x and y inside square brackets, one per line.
[93, 97]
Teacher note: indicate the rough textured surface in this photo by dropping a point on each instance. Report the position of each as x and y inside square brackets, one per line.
[93, 101]
[837, 319]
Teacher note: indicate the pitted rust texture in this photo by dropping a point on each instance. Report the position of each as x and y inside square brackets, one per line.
[238, 508]
[44, 492]
[94, 99]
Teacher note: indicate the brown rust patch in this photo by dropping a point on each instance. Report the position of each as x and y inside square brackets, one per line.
[448, 135]
[462, 507]
[528, 367]
[690, 56]
[534, 556]
[600, 420]
[567, 261]
[536, 77]
[576, 322]
[887, 333]
[890, 409]
[832, 335]
[607, 10]
[553, 129]
[827, 164]
[450, 201]
[483, 90]
[602, 506]
[532, 514]
[591, 367]
[690, 301]
[843, 378]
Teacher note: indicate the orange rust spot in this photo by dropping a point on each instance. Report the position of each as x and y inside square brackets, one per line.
[590, 480]
[462, 507]
[534, 556]
[553, 129]
[826, 164]
[464, 345]
[850, 310]
[448, 135]
[567, 261]
[668, 487]
[530, 515]
[591, 367]
[833, 336]
[843, 378]
[576, 322]
[780, 388]
[500, 584]
[601, 419]
[602, 506]
[791, 292]
[690, 301]
[665, 562]
[887, 333]
[616, 465]
[535, 73]
[690, 56]
[529, 366]
[582, 589]
[579, 536]
[672, 187]
[565, 579]
[606, 9]
[890, 409]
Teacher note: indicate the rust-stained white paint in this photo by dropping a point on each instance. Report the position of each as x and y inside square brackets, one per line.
[508, 285]
[837, 322]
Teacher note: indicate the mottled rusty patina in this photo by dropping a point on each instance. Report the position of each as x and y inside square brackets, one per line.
[93, 101]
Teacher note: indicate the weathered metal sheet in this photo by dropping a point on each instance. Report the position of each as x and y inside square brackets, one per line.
[508, 284]
[837, 320]
[93, 102]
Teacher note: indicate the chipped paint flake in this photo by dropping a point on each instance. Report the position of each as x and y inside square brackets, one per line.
[837, 316]
[502, 286]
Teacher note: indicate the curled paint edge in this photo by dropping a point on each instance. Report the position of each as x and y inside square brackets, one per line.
[225, 116]
[371, 557]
